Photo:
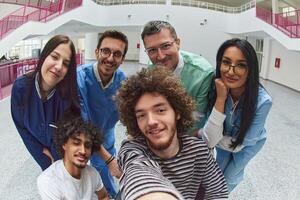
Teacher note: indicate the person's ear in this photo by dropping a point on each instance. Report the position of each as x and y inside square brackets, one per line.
[97, 53]
[177, 42]
[122, 60]
[178, 116]
[64, 147]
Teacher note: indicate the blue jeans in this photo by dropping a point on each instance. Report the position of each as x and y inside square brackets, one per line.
[233, 164]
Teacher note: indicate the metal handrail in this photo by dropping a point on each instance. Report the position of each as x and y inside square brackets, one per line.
[191, 3]
[124, 2]
[290, 25]
[28, 3]
[11, 70]
[214, 6]
[44, 14]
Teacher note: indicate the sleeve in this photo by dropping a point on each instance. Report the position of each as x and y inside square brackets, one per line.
[257, 126]
[47, 189]
[202, 99]
[134, 162]
[213, 181]
[225, 144]
[34, 147]
[212, 132]
[97, 181]
[80, 87]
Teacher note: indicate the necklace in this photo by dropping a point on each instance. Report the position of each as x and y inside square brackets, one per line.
[234, 106]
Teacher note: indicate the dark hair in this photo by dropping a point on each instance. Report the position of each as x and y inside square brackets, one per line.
[115, 35]
[67, 87]
[72, 125]
[248, 100]
[156, 26]
[159, 80]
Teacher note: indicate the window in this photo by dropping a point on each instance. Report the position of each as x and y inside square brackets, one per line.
[288, 11]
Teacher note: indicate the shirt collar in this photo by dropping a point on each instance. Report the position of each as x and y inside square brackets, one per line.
[96, 72]
[38, 89]
[179, 66]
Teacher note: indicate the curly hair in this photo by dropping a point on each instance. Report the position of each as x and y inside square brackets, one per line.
[71, 126]
[159, 80]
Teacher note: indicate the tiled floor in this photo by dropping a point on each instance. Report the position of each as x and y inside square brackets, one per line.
[273, 174]
[5, 91]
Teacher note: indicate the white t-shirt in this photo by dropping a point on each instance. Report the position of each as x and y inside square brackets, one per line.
[56, 183]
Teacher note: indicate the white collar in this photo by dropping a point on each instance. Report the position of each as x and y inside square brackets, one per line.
[179, 66]
[38, 89]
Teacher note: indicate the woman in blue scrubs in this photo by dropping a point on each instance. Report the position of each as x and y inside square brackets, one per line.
[239, 108]
[39, 98]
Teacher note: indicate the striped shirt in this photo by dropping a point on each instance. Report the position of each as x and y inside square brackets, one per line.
[180, 175]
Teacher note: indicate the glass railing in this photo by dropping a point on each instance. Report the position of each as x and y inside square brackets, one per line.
[191, 3]
[124, 2]
[288, 22]
[27, 13]
[10, 70]
[264, 14]
[213, 6]
[29, 3]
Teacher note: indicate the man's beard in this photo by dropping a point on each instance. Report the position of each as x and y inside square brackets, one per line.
[162, 146]
[80, 166]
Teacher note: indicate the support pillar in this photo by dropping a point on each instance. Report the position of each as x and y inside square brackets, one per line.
[275, 10]
[91, 40]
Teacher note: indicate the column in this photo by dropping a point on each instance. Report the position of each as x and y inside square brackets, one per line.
[143, 57]
[266, 60]
[275, 9]
[91, 41]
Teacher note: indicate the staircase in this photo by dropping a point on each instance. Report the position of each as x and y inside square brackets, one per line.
[288, 23]
[37, 11]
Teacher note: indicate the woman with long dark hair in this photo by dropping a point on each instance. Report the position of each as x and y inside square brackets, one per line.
[239, 106]
[40, 98]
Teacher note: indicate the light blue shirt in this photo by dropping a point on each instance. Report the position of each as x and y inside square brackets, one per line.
[233, 163]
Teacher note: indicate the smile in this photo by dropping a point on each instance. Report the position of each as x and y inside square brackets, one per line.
[81, 158]
[54, 74]
[154, 131]
[231, 80]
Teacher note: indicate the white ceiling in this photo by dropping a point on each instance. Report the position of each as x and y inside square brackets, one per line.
[79, 29]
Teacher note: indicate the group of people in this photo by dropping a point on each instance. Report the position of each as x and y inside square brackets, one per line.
[192, 128]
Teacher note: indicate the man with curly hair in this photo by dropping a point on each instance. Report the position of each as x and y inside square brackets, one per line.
[71, 177]
[160, 158]
[162, 45]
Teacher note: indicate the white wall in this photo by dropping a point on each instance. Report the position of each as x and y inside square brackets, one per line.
[6, 9]
[288, 73]
[133, 40]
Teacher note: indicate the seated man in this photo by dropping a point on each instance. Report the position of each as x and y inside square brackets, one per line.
[71, 177]
[160, 157]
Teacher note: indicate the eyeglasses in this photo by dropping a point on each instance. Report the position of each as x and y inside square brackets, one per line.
[238, 69]
[106, 52]
[163, 47]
